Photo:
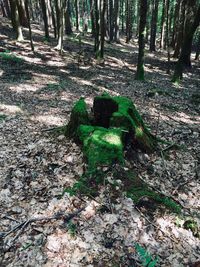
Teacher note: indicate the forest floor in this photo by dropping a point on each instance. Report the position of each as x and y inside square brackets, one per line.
[37, 92]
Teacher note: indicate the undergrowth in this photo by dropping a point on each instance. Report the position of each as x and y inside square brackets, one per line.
[7, 56]
[145, 257]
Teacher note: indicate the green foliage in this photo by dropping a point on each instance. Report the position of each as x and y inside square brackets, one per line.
[87, 184]
[137, 189]
[145, 257]
[7, 56]
[72, 229]
[2, 117]
[193, 226]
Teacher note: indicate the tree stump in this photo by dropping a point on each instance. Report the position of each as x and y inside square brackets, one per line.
[105, 131]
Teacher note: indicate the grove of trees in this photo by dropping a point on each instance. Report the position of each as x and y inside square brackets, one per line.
[171, 25]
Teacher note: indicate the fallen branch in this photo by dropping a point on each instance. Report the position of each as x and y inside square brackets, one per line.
[23, 225]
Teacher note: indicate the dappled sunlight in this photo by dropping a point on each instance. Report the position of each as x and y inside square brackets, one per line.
[82, 81]
[26, 87]
[10, 109]
[50, 120]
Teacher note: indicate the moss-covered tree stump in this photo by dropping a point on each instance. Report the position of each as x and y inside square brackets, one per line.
[105, 131]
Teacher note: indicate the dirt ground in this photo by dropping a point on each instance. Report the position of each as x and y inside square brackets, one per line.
[37, 92]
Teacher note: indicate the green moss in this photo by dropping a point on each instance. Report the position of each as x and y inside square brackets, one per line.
[136, 190]
[101, 146]
[10, 57]
[79, 115]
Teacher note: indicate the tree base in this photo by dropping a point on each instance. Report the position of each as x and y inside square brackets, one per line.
[104, 133]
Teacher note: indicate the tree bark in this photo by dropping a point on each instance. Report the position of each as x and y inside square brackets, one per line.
[162, 27]
[184, 58]
[116, 20]
[53, 19]
[142, 24]
[22, 13]
[102, 27]
[15, 20]
[68, 26]
[29, 24]
[180, 30]
[97, 28]
[77, 14]
[154, 25]
[44, 13]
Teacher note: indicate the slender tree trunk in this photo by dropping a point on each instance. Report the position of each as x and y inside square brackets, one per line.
[7, 8]
[198, 48]
[15, 20]
[44, 12]
[116, 22]
[122, 14]
[92, 17]
[53, 19]
[149, 10]
[162, 27]
[184, 58]
[102, 26]
[68, 26]
[29, 24]
[77, 14]
[97, 27]
[154, 25]
[129, 24]
[180, 31]
[142, 24]
[22, 13]
[167, 35]
[3, 9]
[111, 21]
[60, 7]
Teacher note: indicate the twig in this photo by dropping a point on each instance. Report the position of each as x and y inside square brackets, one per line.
[24, 224]
[157, 227]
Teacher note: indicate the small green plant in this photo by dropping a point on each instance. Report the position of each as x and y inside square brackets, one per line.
[72, 229]
[145, 257]
[2, 117]
[7, 56]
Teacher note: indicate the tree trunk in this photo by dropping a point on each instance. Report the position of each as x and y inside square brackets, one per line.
[92, 17]
[7, 8]
[167, 35]
[116, 22]
[15, 20]
[97, 28]
[77, 14]
[60, 23]
[68, 26]
[175, 23]
[129, 24]
[111, 21]
[198, 48]
[102, 27]
[184, 59]
[162, 27]
[122, 14]
[22, 13]
[53, 19]
[142, 24]
[29, 24]
[44, 12]
[3, 9]
[180, 31]
[154, 25]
